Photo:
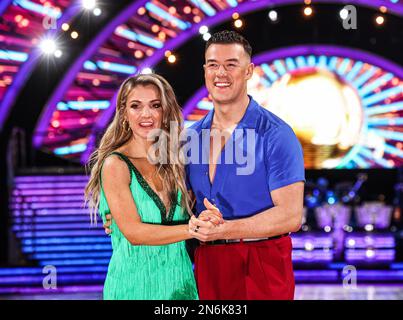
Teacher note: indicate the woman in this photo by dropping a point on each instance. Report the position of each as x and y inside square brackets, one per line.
[148, 203]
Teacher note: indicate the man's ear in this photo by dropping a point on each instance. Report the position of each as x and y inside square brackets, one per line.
[249, 70]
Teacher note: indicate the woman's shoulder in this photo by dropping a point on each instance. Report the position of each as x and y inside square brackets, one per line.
[114, 165]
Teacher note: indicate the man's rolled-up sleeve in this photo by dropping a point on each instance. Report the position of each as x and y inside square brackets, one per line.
[285, 159]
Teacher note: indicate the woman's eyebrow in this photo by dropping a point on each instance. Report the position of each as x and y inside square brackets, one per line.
[139, 101]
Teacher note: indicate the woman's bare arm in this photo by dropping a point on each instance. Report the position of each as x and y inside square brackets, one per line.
[115, 182]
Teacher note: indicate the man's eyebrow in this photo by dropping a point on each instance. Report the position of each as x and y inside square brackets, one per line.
[228, 60]
[233, 60]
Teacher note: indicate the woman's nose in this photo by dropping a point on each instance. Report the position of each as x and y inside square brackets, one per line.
[146, 112]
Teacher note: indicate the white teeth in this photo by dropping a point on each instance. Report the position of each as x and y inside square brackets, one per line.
[146, 124]
[222, 84]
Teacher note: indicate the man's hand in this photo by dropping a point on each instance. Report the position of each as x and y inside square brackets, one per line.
[211, 214]
[108, 223]
[207, 226]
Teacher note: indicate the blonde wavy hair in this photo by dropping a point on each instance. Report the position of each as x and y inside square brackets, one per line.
[116, 135]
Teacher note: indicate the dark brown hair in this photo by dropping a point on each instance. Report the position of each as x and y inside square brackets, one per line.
[229, 37]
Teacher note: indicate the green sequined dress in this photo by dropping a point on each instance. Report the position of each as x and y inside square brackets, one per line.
[141, 272]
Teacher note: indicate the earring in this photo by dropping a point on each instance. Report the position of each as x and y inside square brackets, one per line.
[126, 125]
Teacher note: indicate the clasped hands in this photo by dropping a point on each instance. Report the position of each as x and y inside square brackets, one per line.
[208, 225]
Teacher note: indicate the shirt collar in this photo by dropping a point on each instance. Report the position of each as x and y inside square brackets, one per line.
[248, 120]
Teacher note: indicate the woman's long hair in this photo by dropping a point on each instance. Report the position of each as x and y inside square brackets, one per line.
[172, 173]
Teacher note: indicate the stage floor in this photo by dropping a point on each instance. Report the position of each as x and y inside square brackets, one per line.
[302, 292]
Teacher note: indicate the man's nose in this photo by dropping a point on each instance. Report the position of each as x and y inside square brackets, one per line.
[221, 70]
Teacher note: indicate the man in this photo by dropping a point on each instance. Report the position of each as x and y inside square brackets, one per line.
[249, 255]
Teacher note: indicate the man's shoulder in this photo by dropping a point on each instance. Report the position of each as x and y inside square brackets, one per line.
[197, 126]
[273, 128]
[269, 122]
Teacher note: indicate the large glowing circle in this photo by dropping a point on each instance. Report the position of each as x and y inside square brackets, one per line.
[324, 111]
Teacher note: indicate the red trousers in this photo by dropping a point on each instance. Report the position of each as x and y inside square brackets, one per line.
[245, 271]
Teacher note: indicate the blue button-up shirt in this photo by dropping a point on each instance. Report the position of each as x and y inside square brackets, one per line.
[237, 190]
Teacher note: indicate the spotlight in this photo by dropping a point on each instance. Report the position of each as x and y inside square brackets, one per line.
[238, 23]
[146, 71]
[74, 34]
[138, 54]
[309, 246]
[162, 36]
[344, 14]
[88, 4]
[97, 12]
[203, 29]
[141, 11]
[48, 46]
[25, 23]
[58, 53]
[172, 58]
[206, 36]
[370, 253]
[65, 26]
[369, 227]
[172, 10]
[18, 18]
[235, 15]
[187, 9]
[380, 20]
[308, 11]
[273, 15]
